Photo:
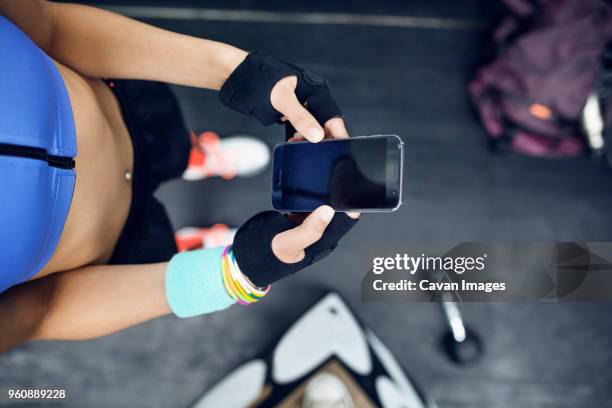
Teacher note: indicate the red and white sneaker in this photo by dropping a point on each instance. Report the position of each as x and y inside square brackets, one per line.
[228, 157]
[188, 239]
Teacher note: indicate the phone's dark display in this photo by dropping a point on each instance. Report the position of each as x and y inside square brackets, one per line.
[350, 174]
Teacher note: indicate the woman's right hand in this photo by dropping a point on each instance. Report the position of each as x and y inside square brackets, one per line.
[289, 246]
[271, 246]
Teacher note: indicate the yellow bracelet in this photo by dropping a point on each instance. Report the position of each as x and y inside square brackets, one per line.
[236, 283]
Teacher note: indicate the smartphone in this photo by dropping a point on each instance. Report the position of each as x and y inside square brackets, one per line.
[356, 174]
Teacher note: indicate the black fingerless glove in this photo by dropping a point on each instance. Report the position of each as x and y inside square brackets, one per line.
[248, 89]
[253, 246]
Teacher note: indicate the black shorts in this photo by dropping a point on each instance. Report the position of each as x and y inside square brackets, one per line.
[161, 150]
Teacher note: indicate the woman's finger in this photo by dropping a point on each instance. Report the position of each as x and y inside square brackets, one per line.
[285, 101]
[289, 246]
[335, 128]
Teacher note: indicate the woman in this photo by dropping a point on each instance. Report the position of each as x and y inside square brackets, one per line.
[87, 250]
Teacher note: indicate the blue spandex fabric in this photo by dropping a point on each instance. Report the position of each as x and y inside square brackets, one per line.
[35, 197]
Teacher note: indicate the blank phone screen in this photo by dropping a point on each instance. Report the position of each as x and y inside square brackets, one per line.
[346, 174]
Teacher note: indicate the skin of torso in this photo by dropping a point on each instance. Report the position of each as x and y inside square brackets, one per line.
[102, 195]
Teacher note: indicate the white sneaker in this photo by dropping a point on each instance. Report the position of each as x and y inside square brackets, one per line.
[327, 391]
[190, 238]
[229, 157]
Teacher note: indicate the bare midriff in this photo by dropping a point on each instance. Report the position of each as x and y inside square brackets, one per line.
[102, 193]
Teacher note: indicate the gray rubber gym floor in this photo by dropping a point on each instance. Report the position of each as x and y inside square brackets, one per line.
[408, 81]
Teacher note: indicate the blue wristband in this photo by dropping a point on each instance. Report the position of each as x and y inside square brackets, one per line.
[194, 284]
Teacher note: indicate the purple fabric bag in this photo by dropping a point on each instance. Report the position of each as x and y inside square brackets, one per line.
[530, 98]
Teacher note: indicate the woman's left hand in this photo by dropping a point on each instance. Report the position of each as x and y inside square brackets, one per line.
[274, 91]
[303, 124]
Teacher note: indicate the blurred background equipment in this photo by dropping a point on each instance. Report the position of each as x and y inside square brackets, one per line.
[598, 113]
[531, 97]
[326, 359]
[461, 343]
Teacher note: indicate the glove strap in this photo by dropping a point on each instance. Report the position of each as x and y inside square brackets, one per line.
[248, 88]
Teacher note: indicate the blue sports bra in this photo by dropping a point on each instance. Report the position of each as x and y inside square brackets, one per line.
[37, 150]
